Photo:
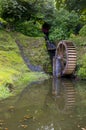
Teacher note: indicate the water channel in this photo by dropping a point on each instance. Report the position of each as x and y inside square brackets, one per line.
[53, 104]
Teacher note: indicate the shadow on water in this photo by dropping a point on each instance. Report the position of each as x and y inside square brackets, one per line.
[53, 104]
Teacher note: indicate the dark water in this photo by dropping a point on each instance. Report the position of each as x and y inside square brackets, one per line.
[54, 104]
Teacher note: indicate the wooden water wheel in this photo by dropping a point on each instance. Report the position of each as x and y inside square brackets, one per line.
[67, 53]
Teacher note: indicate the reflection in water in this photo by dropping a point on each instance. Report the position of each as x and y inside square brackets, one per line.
[48, 105]
[64, 93]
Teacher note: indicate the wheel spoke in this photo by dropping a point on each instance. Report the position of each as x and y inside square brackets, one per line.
[67, 55]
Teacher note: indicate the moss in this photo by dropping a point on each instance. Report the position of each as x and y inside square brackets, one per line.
[36, 51]
[4, 92]
[13, 69]
[28, 78]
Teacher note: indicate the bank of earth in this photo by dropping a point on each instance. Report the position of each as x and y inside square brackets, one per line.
[22, 60]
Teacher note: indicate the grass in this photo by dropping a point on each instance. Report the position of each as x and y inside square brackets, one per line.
[13, 70]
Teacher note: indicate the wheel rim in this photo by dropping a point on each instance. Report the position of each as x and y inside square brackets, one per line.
[67, 52]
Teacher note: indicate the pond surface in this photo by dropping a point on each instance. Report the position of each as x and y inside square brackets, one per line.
[53, 104]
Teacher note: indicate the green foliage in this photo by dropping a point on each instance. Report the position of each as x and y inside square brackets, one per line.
[22, 10]
[80, 44]
[77, 5]
[12, 10]
[83, 16]
[30, 28]
[58, 34]
[60, 4]
[78, 40]
[4, 92]
[82, 70]
[82, 32]
[64, 24]
[3, 21]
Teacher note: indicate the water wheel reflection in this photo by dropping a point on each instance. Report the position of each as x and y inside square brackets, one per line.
[64, 94]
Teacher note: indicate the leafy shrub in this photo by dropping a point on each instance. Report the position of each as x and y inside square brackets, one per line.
[78, 40]
[82, 32]
[80, 43]
[63, 24]
[2, 23]
[82, 67]
[29, 28]
[58, 34]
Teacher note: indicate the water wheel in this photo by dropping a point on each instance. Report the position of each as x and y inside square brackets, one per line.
[67, 53]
